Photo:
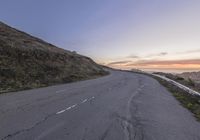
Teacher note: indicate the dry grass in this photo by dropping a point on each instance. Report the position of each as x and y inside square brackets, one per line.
[27, 62]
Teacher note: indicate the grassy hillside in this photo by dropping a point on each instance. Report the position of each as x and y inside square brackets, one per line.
[181, 78]
[28, 62]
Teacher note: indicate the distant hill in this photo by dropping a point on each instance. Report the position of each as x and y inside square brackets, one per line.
[195, 76]
[28, 62]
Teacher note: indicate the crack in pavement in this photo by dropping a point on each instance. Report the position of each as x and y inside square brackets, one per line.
[43, 120]
[126, 124]
[105, 134]
[134, 125]
[137, 126]
[27, 129]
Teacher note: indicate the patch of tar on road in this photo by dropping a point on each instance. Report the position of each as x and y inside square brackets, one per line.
[126, 125]
[132, 123]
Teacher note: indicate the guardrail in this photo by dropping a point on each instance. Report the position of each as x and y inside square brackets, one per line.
[187, 89]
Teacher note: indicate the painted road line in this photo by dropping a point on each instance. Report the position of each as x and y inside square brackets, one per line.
[60, 91]
[73, 106]
[91, 98]
[84, 101]
[68, 108]
[60, 112]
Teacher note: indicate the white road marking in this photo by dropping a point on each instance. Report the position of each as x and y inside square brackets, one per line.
[73, 106]
[68, 108]
[60, 91]
[60, 111]
[91, 98]
[84, 101]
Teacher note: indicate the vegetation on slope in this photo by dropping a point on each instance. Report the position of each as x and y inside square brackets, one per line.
[185, 81]
[191, 102]
[28, 62]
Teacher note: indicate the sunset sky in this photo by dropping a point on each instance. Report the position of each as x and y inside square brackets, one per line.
[145, 34]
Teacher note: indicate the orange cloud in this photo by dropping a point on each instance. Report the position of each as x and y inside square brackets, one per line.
[118, 63]
[158, 64]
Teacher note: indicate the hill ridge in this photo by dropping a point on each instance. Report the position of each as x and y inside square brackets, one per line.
[29, 62]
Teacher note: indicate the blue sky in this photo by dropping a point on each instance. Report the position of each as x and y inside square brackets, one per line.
[110, 31]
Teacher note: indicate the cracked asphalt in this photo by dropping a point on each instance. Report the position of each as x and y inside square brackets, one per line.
[120, 106]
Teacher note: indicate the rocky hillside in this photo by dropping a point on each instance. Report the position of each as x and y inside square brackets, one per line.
[28, 62]
[195, 76]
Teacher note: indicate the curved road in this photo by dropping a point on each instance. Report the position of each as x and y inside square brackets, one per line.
[120, 106]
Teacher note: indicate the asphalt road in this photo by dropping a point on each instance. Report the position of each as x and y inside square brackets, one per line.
[121, 106]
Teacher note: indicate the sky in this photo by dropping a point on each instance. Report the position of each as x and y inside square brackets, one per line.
[127, 34]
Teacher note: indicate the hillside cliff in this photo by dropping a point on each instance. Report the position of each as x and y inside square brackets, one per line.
[28, 62]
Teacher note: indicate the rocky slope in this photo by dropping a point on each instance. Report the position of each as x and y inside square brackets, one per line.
[28, 62]
[195, 76]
